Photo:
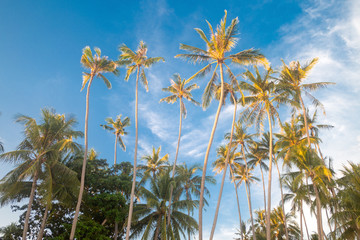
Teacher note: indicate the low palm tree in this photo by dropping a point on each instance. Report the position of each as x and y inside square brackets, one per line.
[43, 142]
[117, 127]
[97, 65]
[151, 217]
[220, 43]
[243, 174]
[178, 91]
[135, 61]
[154, 163]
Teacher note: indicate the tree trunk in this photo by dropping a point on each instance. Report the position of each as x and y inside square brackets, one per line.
[82, 182]
[282, 202]
[174, 167]
[328, 219]
[156, 236]
[250, 209]
[115, 149]
[307, 230]
[201, 200]
[224, 175]
[268, 229]
[43, 223]
[301, 223]
[135, 156]
[116, 230]
[28, 211]
[305, 120]
[318, 215]
[263, 182]
[238, 205]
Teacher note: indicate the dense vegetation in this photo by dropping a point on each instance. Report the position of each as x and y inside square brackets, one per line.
[158, 199]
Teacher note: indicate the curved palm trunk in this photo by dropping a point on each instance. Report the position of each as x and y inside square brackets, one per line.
[239, 212]
[282, 202]
[43, 223]
[263, 182]
[201, 200]
[318, 215]
[250, 209]
[249, 196]
[135, 157]
[307, 230]
[173, 170]
[268, 229]
[305, 120]
[31, 200]
[301, 223]
[115, 149]
[82, 182]
[224, 175]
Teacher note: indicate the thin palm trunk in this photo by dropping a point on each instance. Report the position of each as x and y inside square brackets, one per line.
[116, 230]
[263, 183]
[318, 215]
[135, 156]
[43, 223]
[301, 223]
[268, 229]
[176, 155]
[82, 182]
[282, 202]
[115, 149]
[201, 200]
[31, 200]
[156, 236]
[239, 212]
[188, 198]
[306, 228]
[305, 121]
[224, 175]
[250, 209]
[328, 219]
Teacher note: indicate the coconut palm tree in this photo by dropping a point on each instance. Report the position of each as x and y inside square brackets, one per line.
[117, 127]
[243, 174]
[154, 163]
[292, 79]
[263, 100]
[135, 61]
[97, 65]
[42, 144]
[178, 91]
[220, 43]
[151, 217]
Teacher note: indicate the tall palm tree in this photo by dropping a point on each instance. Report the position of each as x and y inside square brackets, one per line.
[292, 78]
[151, 217]
[263, 100]
[135, 61]
[117, 127]
[97, 65]
[220, 43]
[243, 174]
[154, 163]
[178, 91]
[42, 144]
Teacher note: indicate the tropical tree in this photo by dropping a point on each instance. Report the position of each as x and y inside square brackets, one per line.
[243, 174]
[117, 127]
[97, 65]
[11, 232]
[263, 100]
[135, 61]
[154, 163]
[220, 43]
[42, 144]
[151, 217]
[178, 91]
[292, 79]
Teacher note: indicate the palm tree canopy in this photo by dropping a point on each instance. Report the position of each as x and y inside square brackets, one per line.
[117, 127]
[97, 65]
[154, 163]
[178, 90]
[136, 60]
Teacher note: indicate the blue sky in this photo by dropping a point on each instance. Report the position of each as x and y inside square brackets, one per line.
[40, 49]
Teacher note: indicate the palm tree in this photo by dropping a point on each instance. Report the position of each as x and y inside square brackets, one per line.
[97, 66]
[292, 78]
[151, 217]
[118, 128]
[278, 227]
[135, 61]
[42, 144]
[154, 163]
[179, 91]
[190, 182]
[218, 45]
[262, 100]
[243, 174]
